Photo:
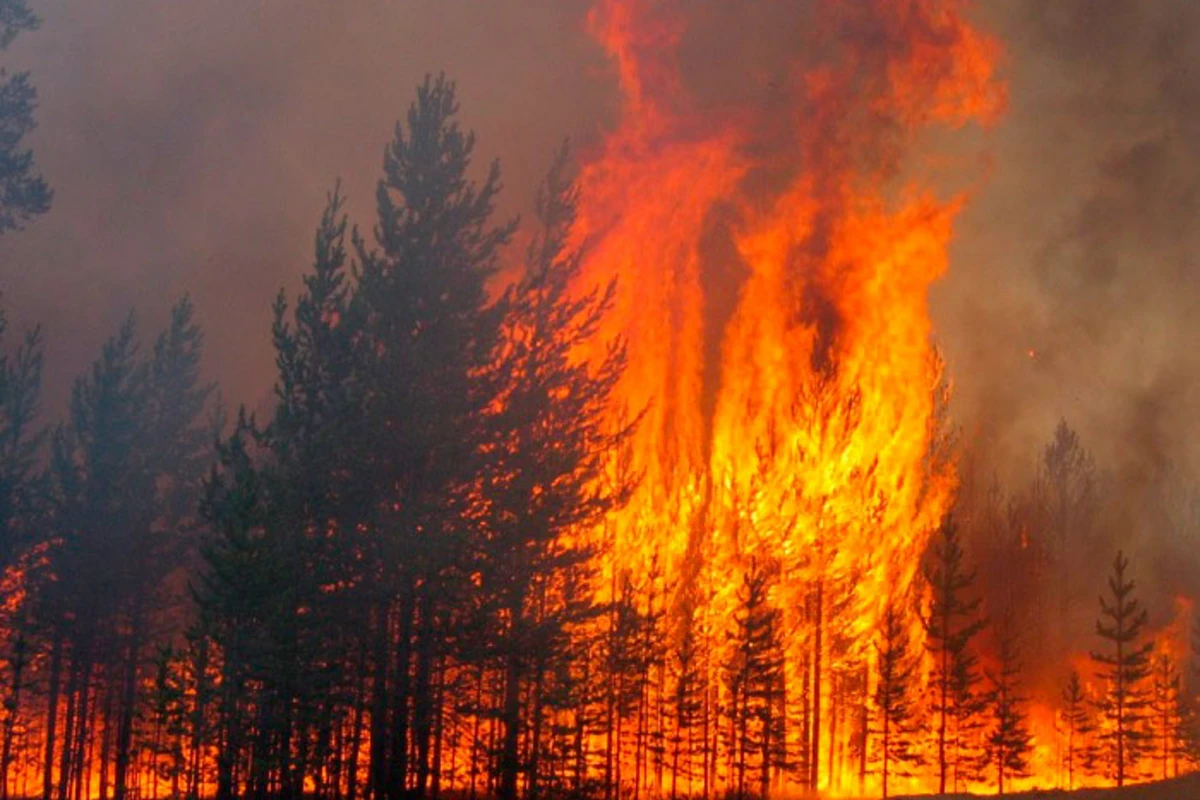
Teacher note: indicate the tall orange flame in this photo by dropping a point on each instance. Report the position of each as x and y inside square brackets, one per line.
[774, 264]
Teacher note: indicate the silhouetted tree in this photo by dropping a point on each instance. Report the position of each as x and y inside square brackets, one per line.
[1124, 670]
[952, 622]
[428, 339]
[895, 721]
[1008, 741]
[1079, 726]
[23, 193]
[754, 678]
[549, 448]
[1165, 717]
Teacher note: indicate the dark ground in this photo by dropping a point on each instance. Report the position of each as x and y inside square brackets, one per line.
[1185, 788]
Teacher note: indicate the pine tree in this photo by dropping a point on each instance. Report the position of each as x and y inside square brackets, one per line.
[428, 339]
[754, 678]
[687, 701]
[548, 450]
[1124, 670]
[1164, 708]
[22, 507]
[20, 442]
[895, 723]
[23, 193]
[1009, 741]
[952, 622]
[240, 572]
[1079, 726]
[1070, 488]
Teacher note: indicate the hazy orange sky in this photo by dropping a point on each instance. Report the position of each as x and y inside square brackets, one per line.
[190, 145]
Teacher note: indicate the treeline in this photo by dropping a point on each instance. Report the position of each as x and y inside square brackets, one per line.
[335, 599]
[395, 585]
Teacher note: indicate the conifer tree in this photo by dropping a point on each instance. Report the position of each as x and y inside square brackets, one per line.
[1079, 726]
[1070, 487]
[549, 448]
[895, 722]
[1123, 668]
[952, 622]
[1009, 741]
[753, 678]
[428, 338]
[23, 193]
[687, 702]
[22, 507]
[20, 441]
[1164, 709]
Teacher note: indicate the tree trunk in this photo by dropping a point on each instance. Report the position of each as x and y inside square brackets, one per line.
[398, 763]
[198, 717]
[14, 709]
[128, 701]
[423, 695]
[68, 736]
[818, 630]
[379, 704]
[511, 711]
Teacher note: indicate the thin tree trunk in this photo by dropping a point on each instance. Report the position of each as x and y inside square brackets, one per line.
[423, 696]
[198, 719]
[68, 736]
[818, 630]
[511, 712]
[127, 705]
[398, 762]
[14, 709]
[379, 704]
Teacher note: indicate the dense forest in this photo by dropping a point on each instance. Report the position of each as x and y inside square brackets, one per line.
[399, 583]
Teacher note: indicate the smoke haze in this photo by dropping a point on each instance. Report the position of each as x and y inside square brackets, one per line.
[191, 144]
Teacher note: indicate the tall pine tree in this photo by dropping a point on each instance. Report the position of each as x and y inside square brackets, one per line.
[549, 446]
[1123, 668]
[895, 723]
[952, 622]
[1009, 741]
[23, 193]
[1078, 726]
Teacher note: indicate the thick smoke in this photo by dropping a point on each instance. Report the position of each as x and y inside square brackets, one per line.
[191, 144]
[1076, 270]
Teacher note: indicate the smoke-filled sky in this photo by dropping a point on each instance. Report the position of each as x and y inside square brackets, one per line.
[191, 143]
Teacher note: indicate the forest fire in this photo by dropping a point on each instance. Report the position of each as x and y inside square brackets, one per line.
[668, 503]
[779, 343]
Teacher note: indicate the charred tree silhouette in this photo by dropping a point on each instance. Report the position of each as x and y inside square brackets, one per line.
[23, 193]
[1079, 726]
[549, 449]
[1166, 719]
[1008, 740]
[952, 622]
[1124, 669]
[895, 710]
[754, 683]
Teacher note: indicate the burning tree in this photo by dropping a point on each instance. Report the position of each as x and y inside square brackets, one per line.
[1008, 741]
[1080, 754]
[755, 688]
[1166, 717]
[896, 725]
[952, 622]
[1124, 669]
[542, 487]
